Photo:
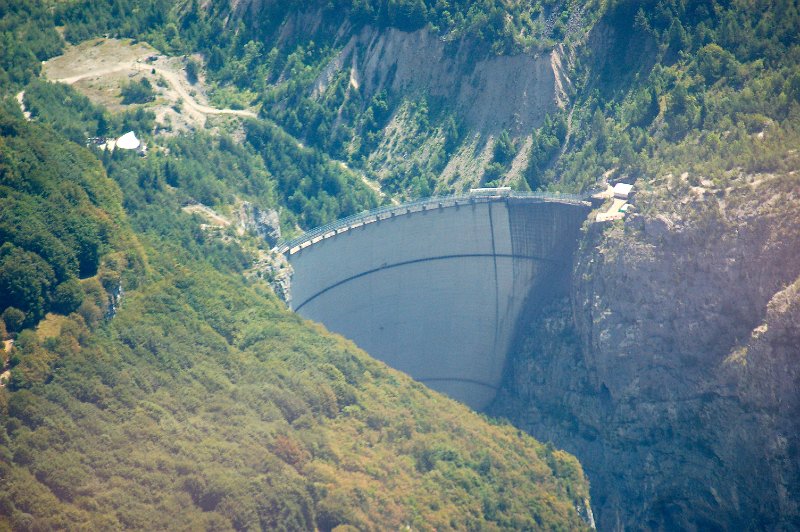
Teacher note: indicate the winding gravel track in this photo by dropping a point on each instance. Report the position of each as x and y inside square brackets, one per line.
[171, 77]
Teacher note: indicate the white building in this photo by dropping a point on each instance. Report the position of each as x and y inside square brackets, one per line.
[128, 141]
[622, 190]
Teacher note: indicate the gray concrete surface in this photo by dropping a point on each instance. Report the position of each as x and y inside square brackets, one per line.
[437, 292]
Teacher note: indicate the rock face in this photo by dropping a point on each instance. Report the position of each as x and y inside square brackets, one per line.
[495, 92]
[669, 362]
[276, 270]
[485, 93]
[265, 223]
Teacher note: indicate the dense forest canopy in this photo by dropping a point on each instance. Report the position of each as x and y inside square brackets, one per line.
[201, 396]
[674, 73]
[60, 223]
[153, 385]
[687, 84]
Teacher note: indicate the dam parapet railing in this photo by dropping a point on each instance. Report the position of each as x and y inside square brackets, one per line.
[312, 236]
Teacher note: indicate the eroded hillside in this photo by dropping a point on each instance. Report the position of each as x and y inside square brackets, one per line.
[422, 100]
[487, 96]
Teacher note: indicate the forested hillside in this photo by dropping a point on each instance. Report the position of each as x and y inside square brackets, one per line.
[204, 400]
[359, 103]
[645, 85]
[150, 384]
[61, 226]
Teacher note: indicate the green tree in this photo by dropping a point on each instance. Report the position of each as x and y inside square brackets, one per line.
[682, 112]
[67, 296]
[643, 107]
[504, 148]
[713, 62]
[192, 71]
[452, 135]
[792, 86]
[25, 280]
[138, 92]
[13, 318]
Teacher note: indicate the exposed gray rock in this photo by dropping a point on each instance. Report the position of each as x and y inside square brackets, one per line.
[263, 222]
[114, 301]
[658, 226]
[276, 270]
[281, 281]
[669, 364]
[493, 92]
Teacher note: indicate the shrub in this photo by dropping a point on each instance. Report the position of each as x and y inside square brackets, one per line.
[138, 92]
[192, 71]
[68, 296]
[504, 148]
[493, 171]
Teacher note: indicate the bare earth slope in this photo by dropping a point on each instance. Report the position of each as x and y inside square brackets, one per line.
[99, 67]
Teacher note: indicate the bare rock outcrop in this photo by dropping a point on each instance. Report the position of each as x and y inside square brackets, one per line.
[668, 364]
[263, 222]
[493, 92]
[273, 268]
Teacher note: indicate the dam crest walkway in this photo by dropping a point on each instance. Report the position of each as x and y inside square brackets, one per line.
[312, 236]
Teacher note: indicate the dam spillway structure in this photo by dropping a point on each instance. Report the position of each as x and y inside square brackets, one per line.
[435, 288]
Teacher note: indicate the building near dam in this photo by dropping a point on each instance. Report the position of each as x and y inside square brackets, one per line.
[435, 288]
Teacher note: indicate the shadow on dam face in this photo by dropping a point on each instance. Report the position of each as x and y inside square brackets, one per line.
[435, 289]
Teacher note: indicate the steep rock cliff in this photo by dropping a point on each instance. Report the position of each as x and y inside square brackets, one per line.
[487, 93]
[669, 363]
[492, 92]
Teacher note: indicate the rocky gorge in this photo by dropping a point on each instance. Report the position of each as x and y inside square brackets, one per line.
[664, 358]
[667, 360]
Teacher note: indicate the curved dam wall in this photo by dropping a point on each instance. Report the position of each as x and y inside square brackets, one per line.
[435, 288]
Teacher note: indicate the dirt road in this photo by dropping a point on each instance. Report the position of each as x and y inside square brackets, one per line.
[209, 213]
[171, 77]
[108, 57]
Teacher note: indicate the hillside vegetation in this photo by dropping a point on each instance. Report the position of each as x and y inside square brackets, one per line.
[61, 226]
[642, 87]
[204, 403]
[153, 386]
[698, 103]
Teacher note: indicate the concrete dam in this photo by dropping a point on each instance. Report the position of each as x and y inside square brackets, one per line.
[435, 288]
